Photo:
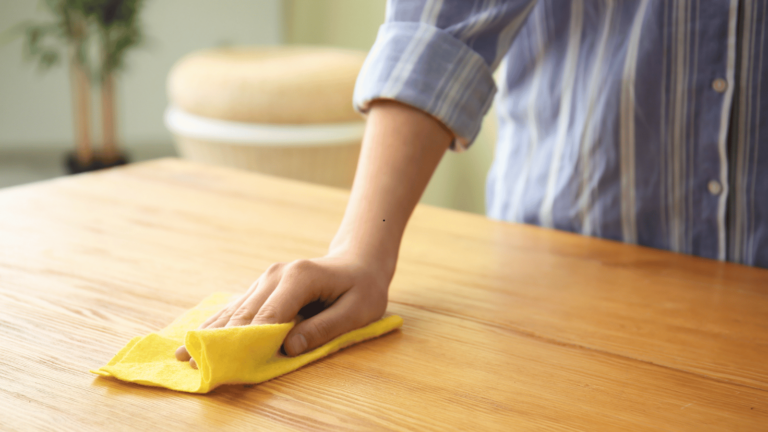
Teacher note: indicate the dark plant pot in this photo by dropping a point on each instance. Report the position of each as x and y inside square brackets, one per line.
[74, 167]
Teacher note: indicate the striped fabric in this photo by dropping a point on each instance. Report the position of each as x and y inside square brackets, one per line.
[640, 121]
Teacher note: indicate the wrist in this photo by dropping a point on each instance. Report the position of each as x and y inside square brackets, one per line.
[375, 256]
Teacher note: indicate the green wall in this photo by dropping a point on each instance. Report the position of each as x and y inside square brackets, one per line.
[459, 182]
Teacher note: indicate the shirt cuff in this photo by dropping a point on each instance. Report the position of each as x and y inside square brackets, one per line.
[425, 67]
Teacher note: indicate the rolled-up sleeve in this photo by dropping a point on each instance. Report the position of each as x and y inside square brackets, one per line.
[439, 57]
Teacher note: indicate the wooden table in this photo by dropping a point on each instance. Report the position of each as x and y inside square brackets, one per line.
[507, 327]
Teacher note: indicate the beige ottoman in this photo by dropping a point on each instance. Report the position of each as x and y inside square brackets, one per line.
[280, 111]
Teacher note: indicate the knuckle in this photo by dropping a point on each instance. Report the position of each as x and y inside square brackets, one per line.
[299, 267]
[302, 263]
[267, 314]
[228, 313]
[274, 268]
[240, 315]
[221, 322]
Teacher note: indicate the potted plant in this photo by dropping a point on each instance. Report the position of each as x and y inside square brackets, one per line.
[118, 30]
[78, 26]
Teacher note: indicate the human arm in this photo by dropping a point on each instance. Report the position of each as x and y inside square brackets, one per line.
[436, 58]
[401, 149]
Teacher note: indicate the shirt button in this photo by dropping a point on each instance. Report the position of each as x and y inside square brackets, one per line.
[719, 85]
[714, 187]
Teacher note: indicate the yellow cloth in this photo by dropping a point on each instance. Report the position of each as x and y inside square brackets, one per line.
[234, 355]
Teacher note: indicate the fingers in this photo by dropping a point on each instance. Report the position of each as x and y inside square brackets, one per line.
[279, 294]
[229, 307]
[301, 282]
[222, 318]
[245, 313]
[182, 354]
[244, 309]
[343, 316]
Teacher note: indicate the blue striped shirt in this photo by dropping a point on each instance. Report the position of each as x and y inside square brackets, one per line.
[639, 121]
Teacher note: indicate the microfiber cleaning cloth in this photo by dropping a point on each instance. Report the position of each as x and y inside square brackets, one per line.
[233, 355]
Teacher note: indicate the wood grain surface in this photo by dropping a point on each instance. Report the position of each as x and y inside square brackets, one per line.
[507, 326]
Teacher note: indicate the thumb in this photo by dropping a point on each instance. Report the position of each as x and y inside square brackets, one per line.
[338, 319]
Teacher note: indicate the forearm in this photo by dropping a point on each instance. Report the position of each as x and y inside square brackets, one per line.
[401, 149]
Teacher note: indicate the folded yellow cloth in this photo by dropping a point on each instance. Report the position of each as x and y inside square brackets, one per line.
[234, 355]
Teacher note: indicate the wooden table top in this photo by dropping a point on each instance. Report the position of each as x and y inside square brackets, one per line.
[507, 326]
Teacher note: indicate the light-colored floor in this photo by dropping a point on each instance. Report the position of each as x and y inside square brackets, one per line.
[20, 166]
[457, 184]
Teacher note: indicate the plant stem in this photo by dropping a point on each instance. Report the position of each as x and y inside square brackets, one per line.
[109, 134]
[81, 99]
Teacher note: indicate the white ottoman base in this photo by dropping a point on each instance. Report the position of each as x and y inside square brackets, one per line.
[325, 154]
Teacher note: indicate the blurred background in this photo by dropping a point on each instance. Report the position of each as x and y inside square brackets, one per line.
[36, 123]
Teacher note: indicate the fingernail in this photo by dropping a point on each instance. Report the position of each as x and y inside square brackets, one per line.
[299, 343]
[182, 354]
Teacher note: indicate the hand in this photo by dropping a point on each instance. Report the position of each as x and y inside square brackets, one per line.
[401, 149]
[351, 293]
